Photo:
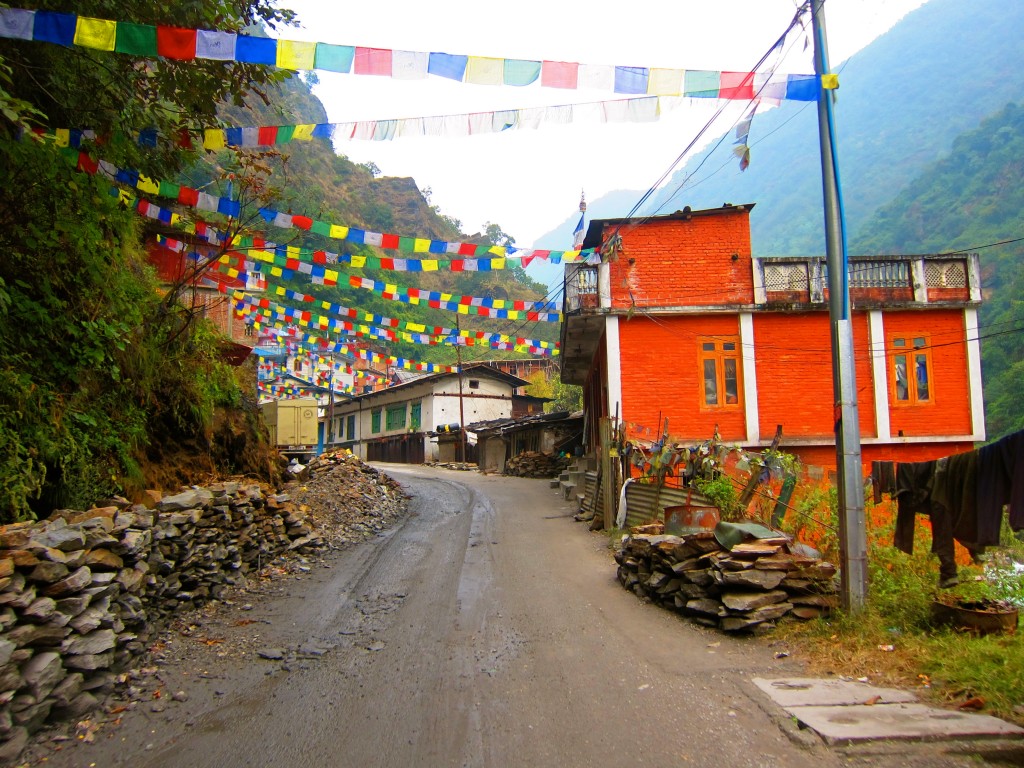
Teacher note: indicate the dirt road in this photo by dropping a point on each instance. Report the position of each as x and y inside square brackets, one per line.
[486, 630]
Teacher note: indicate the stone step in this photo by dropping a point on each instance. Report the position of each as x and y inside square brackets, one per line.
[568, 490]
[554, 482]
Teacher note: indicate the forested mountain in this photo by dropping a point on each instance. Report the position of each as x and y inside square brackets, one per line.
[902, 101]
[972, 200]
[311, 179]
[108, 382]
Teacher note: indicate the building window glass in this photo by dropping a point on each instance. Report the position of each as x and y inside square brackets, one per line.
[375, 421]
[911, 370]
[415, 415]
[720, 371]
[396, 417]
[351, 427]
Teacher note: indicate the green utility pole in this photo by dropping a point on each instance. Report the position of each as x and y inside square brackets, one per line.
[852, 528]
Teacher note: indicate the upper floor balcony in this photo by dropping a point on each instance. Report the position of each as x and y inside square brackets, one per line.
[778, 282]
[874, 281]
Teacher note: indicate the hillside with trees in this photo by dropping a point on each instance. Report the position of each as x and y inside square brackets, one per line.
[971, 200]
[108, 385]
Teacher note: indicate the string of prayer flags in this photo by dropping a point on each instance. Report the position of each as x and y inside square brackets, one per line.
[182, 44]
[477, 257]
[389, 322]
[483, 306]
[639, 109]
[267, 312]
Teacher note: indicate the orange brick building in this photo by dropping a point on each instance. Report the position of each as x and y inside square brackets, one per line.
[680, 322]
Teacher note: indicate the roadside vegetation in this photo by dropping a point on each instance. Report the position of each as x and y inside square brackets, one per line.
[895, 641]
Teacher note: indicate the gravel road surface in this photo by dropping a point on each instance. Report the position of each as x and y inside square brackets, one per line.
[486, 629]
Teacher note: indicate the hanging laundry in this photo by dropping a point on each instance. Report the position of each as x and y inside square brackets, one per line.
[1000, 482]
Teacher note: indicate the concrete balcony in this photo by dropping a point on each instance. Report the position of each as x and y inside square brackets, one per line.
[875, 281]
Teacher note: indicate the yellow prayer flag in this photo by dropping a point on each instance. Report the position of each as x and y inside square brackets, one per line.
[429, 265]
[125, 196]
[293, 251]
[513, 314]
[390, 288]
[232, 272]
[146, 184]
[416, 327]
[339, 232]
[95, 33]
[303, 132]
[665, 82]
[498, 263]
[497, 250]
[446, 297]
[331, 274]
[279, 290]
[293, 54]
[62, 137]
[414, 300]
[483, 70]
[214, 138]
[175, 218]
[421, 245]
[463, 309]
[830, 82]
[358, 261]
[276, 271]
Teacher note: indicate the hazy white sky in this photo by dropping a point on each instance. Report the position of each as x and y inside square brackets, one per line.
[527, 180]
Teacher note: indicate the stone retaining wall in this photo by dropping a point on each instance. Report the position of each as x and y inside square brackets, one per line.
[82, 593]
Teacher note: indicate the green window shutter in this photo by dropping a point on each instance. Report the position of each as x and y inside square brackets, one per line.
[396, 417]
[414, 415]
[375, 421]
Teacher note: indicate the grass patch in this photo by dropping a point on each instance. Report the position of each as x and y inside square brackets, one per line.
[893, 642]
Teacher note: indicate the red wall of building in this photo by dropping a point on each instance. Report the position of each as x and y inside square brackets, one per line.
[949, 413]
[794, 374]
[668, 263]
[661, 377]
[825, 455]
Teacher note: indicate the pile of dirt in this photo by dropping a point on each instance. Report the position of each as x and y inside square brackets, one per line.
[345, 499]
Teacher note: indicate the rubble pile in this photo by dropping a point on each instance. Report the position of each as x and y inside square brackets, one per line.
[84, 592]
[346, 499]
[536, 464]
[745, 588]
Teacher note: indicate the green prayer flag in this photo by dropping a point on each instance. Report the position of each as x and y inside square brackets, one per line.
[135, 39]
[284, 134]
[321, 228]
[406, 244]
[167, 189]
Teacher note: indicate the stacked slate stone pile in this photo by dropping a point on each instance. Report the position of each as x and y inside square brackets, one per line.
[536, 464]
[747, 588]
[84, 592]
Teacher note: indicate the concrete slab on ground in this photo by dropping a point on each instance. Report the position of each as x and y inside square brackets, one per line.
[849, 712]
[811, 691]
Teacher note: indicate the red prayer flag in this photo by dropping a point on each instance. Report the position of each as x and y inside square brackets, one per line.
[736, 85]
[175, 42]
[389, 241]
[188, 196]
[372, 61]
[302, 222]
[387, 263]
[86, 164]
[558, 74]
[267, 135]
[467, 249]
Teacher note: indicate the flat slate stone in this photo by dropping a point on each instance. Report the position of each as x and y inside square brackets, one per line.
[811, 691]
[852, 724]
[840, 712]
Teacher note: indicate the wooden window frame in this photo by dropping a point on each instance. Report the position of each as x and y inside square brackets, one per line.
[416, 415]
[391, 424]
[719, 355]
[375, 420]
[910, 350]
